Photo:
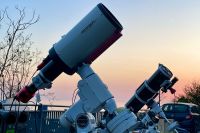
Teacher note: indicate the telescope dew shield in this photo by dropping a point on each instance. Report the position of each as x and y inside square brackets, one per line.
[87, 40]
[149, 88]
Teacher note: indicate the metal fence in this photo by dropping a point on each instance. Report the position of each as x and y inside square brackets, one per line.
[43, 121]
[39, 119]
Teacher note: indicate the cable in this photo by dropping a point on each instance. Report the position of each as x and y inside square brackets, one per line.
[159, 98]
[32, 76]
[74, 95]
[16, 123]
[174, 97]
[27, 105]
[12, 104]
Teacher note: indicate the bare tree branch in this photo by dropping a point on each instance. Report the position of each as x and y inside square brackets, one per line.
[16, 55]
[2, 13]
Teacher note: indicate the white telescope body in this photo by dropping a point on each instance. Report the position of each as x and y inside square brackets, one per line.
[98, 30]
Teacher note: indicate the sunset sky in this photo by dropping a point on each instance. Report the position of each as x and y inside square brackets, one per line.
[155, 31]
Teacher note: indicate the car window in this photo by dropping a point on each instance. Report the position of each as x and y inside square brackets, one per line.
[167, 108]
[177, 108]
[195, 109]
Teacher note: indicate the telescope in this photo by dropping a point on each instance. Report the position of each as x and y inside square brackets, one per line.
[84, 43]
[161, 79]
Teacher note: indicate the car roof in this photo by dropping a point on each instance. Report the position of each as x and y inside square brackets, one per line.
[181, 103]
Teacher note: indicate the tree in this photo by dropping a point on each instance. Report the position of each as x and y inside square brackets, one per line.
[192, 93]
[1, 15]
[16, 56]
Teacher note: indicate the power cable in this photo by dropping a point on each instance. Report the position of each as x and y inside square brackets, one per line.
[73, 96]
[159, 98]
[12, 104]
[32, 76]
[17, 117]
[27, 105]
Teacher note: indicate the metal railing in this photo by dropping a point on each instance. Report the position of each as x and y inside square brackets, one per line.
[39, 120]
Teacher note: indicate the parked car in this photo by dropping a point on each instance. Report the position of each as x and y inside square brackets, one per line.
[186, 114]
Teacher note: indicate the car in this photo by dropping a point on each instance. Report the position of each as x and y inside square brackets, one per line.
[186, 114]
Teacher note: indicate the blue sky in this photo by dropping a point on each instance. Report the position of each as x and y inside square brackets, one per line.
[155, 31]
